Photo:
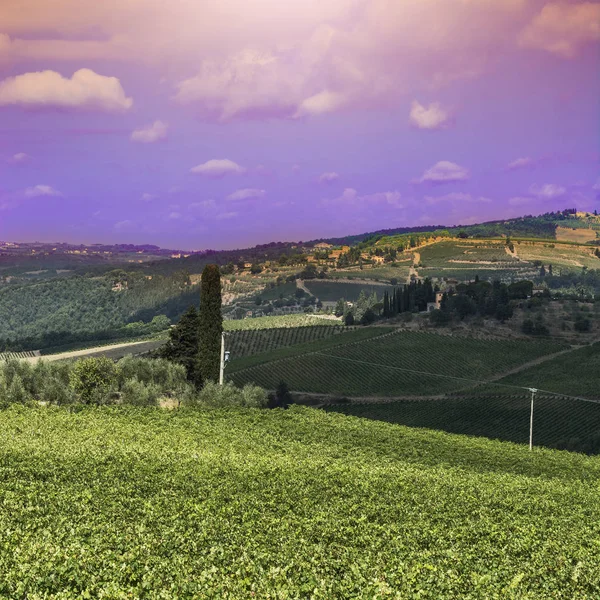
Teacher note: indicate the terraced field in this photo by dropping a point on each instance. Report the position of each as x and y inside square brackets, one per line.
[381, 273]
[445, 254]
[393, 364]
[5, 356]
[561, 255]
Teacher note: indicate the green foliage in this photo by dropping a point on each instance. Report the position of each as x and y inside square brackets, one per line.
[170, 378]
[439, 318]
[282, 397]
[93, 380]
[389, 364]
[227, 395]
[65, 310]
[138, 393]
[535, 327]
[582, 324]
[254, 341]
[123, 502]
[184, 343]
[17, 392]
[210, 323]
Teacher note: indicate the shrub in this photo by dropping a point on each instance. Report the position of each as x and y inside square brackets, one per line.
[582, 325]
[17, 392]
[138, 393]
[227, 395]
[93, 379]
[55, 391]
[168, 376]
[439, 318]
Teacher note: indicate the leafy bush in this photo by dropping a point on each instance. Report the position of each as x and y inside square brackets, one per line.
[439, 318]
[57, 392]
[17, 392]
[93, 379]
[227, 395]
[168, 376]
[138, 393]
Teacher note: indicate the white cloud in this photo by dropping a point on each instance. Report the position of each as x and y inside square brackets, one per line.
[322, 103]
[218, 167]
[40, 190]
[458, 197]
[596, 186]
[151, 133]
[351, 197]
[19, 158]
[520, 163]
[444, 172]
[547, 191]
[563, 28]
[329, 177]
[86, 90]
[146, 197]
[247, 194]
[174, 216]
[432, 117]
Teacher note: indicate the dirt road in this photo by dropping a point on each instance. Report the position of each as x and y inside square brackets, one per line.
[114, 351]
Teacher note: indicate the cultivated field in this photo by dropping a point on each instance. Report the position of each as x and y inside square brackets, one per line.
[377, 273]
[577, 234]
[392, 364]
[498, 414]
[246, 342]
[331, 291]
[280, 321]
[145, 503]
[558, 255]
[469, 254]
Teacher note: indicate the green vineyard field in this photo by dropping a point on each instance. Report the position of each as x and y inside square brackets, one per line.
[248, 342]
[123, 502]
[349, 336]
[395, 365]
[558, 422]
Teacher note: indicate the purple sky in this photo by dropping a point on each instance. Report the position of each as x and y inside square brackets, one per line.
[226, 123]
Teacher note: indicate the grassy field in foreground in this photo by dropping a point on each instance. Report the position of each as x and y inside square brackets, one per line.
[132, 503]
[392, 365]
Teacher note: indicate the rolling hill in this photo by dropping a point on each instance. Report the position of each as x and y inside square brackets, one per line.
[236, 503]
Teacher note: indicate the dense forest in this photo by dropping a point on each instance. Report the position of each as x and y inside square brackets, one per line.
[72, 309]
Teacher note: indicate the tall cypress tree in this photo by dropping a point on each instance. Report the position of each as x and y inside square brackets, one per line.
[211, 324]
